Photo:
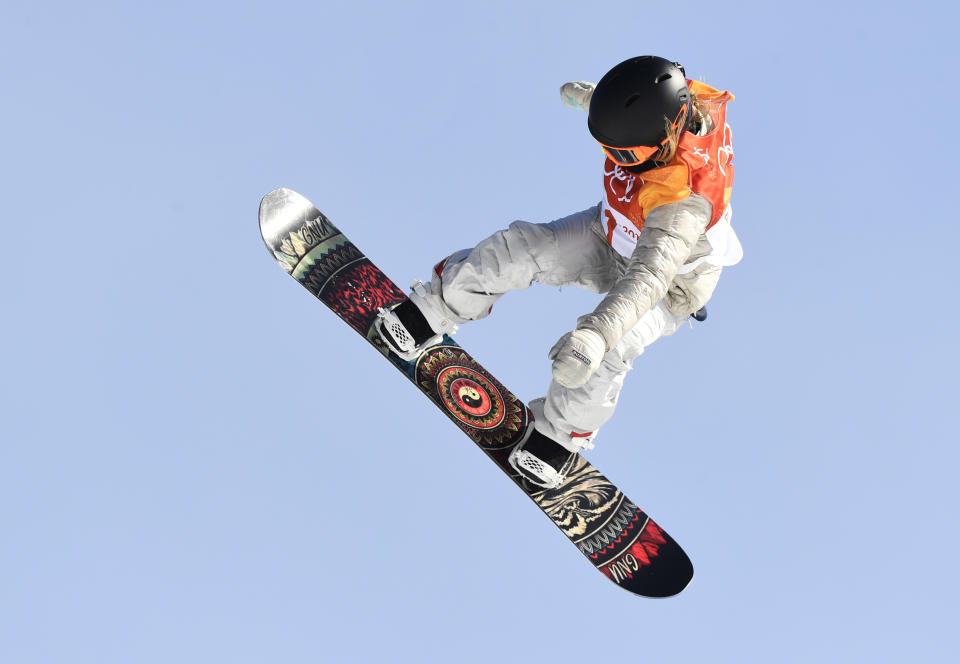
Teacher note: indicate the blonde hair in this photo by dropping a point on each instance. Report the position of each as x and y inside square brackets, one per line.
[669, 149]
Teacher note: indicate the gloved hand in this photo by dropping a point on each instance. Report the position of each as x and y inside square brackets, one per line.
[577, 94]
[576, 356]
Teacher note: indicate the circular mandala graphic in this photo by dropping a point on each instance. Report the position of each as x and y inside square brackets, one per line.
[470, 397]
[482, 407]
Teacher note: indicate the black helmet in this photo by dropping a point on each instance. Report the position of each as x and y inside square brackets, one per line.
[633, 104]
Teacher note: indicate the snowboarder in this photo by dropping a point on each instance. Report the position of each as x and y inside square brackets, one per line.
[655, 244]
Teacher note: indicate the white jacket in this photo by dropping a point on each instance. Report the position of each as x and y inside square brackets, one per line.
[674, 261]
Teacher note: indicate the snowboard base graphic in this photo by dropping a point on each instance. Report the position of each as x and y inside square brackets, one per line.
[615, 535]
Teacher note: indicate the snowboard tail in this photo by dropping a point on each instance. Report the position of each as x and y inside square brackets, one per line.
[616, 536]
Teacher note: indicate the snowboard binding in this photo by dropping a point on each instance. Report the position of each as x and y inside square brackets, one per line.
[413, 325]
[541, 460]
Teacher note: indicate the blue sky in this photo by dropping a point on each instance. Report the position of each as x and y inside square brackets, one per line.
[195, 453]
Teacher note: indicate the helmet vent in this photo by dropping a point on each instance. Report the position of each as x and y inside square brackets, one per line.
[662, 77]
[631, 99]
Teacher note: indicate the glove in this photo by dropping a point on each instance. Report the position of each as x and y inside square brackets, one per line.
[577, 94]
[576, 356]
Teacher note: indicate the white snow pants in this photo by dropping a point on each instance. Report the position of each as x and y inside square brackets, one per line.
[561, 253]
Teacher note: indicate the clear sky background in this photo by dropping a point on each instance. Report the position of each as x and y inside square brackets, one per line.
[200, 463]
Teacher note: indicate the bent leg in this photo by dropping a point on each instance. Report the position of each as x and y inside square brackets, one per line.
[572, 416]
[560, 253]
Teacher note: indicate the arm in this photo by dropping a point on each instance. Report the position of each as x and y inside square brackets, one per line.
[670, 233]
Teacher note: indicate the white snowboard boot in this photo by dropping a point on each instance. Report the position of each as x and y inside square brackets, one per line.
[414, 324]
[540, 458]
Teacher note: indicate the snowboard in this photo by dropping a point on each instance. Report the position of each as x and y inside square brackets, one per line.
[615, 535]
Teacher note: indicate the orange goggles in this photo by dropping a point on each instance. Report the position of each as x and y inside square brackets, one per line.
[631, 156]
